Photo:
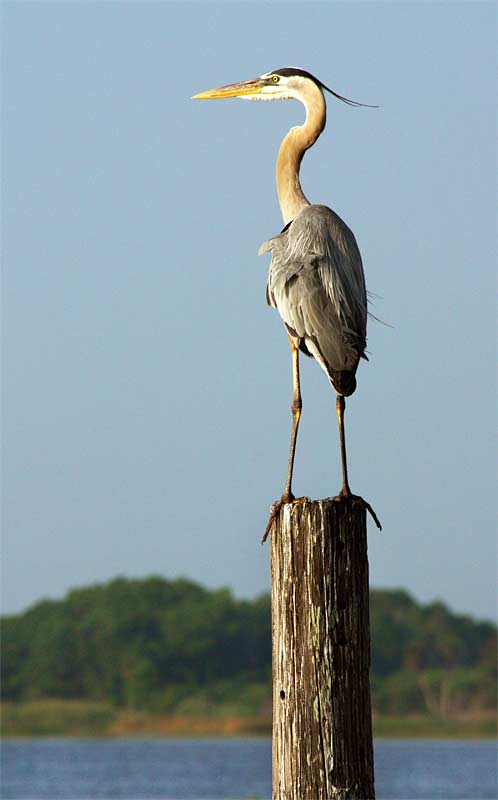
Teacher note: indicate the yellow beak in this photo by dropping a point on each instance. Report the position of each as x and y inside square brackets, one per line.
[241, 89]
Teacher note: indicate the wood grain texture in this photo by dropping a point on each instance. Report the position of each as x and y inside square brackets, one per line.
[322, 729]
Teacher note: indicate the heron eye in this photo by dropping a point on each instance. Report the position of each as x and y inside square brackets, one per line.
[275, 78]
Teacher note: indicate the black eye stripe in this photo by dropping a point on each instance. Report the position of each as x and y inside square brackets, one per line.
[288, 72]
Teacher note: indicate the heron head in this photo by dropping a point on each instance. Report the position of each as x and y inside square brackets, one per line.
[284, 83]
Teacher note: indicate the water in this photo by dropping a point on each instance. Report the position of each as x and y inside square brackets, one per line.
[208, 769]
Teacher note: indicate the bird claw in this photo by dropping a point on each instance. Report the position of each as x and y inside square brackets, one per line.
[343, 495]
[372, 513]
[275, 509]
[357, 499]
[273, 513]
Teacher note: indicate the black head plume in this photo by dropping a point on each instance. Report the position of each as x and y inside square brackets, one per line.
[288, 72]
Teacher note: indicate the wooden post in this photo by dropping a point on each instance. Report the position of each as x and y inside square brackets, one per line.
[322, 726]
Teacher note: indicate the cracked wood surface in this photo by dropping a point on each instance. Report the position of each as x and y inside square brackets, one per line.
[322, 729]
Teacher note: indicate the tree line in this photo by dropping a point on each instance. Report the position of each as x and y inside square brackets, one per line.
[172, 646]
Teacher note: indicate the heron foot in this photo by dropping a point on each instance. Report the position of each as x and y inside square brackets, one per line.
[275, 509]
[345, 494]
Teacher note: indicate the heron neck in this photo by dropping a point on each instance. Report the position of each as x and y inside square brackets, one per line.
[290, 194]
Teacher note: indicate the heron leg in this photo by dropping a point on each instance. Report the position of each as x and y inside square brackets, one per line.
[340, 407]
[345, 490]
[296, 408]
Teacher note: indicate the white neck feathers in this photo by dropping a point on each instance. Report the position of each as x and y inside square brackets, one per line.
[290, 194]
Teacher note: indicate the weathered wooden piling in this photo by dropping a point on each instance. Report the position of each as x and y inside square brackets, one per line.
[322, 728]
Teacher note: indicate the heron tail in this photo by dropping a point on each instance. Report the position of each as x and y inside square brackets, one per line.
[343, 382]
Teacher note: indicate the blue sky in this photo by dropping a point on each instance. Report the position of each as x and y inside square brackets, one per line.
[147, 386]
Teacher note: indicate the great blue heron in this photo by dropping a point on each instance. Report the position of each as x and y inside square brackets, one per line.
[316, 279]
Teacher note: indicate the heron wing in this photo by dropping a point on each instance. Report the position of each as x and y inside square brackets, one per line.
[316, 282]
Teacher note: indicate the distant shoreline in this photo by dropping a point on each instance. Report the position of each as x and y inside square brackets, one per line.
[77, 718]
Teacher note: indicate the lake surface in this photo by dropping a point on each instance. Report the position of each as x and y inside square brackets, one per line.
[211, 769]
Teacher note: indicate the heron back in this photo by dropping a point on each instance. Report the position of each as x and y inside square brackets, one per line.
[317, 284]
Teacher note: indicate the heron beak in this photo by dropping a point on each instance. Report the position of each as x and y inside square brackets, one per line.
[242, 89]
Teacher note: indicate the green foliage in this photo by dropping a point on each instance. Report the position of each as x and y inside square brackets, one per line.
[174, 647]
[426, 727]
[425, 658]
[56, 717]
[397, 693]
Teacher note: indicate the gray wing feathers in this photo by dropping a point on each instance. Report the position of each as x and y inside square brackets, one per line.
[317, 284]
